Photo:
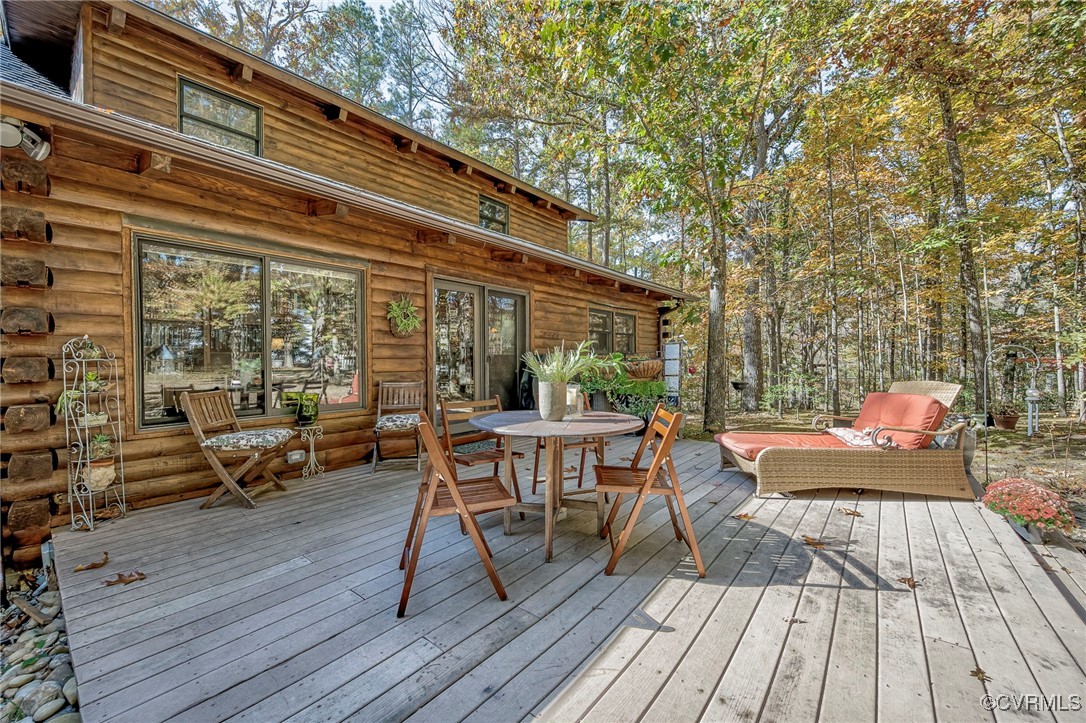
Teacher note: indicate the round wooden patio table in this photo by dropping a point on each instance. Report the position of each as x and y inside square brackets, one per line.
[528, 423]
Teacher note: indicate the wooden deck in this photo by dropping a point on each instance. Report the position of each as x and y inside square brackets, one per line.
[288, 611]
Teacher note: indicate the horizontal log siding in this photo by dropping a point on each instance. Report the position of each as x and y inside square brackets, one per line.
[135, 73]
[93, 187]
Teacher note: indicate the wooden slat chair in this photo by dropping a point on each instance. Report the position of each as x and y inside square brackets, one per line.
[442, 493]
[659, 478]
[223, 442]
[453, 412]
[399, 405]
[584, 444]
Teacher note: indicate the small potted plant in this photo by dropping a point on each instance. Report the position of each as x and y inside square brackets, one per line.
[403, 317]
[1029, 506]
[1005, 415]
[100, 447]
[555, 370]
[93, 419]
[92, 382]
[87, 349]
[66, 400]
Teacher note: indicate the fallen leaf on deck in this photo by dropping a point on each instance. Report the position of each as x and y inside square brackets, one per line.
[851, 513]
[909, 581]
[124, 579]
[570, 469]
[93, 565]
[980, 675]
[625, 459]
[1068, 571]
[814, 542]
[743, 516]
[793, 621]
[1045, 566]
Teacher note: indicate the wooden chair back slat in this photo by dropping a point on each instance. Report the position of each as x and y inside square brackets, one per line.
[209, 412]
[458, 411]
[400, 397]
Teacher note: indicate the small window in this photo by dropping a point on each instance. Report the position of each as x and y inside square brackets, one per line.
[493, 215]
[219, 118]
[610, 331]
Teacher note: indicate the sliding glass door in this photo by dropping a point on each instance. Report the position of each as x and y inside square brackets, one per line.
[479, 337]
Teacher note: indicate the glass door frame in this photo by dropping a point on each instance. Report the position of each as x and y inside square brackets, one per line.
[482, 341]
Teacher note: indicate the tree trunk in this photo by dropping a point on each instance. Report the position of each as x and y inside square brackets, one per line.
[716, 372]
[958, 213]
[833, 360]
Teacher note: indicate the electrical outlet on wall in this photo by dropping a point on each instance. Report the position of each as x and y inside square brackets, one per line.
[296, 456]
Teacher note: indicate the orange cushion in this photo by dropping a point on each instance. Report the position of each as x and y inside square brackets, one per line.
[750, 444]
[917, 411]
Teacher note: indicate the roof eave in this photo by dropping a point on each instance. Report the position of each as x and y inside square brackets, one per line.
[155, 137]
[231, 52]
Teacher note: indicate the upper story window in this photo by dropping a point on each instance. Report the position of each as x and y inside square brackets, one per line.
[218, 118]
[493, 215]
[612, 331]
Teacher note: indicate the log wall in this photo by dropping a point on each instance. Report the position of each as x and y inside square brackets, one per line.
[97, 200]
[136, 71]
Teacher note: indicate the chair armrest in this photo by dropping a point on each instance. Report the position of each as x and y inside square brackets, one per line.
[885, 442]
[828, 420]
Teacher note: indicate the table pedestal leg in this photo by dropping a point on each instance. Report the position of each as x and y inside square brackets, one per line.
[552, 492]
[507, 513]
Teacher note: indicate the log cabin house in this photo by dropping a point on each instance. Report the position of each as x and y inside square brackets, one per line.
[219, 222]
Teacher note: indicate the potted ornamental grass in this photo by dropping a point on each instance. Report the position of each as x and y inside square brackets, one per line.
[1005, 415]
[555, 372]
[1029, 506]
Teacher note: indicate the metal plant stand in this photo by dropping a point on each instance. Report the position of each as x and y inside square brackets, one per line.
[311, 433]
[91, 406]
[1033, 384]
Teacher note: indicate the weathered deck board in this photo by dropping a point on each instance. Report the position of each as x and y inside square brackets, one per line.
[288, 611]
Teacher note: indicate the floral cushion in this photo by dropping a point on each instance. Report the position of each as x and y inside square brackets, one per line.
[855, 437]
[397, 422]
[253, 439]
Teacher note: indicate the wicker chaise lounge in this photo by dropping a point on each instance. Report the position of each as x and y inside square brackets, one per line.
[886, 447]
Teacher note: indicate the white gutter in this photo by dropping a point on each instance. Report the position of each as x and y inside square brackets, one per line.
[155, 137]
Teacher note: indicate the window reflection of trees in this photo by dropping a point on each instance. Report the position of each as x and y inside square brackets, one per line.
[203, 327]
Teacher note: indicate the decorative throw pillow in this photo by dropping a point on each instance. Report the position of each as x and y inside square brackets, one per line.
[855, 437]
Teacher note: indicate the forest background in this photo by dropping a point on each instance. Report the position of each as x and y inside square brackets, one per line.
[857, 190]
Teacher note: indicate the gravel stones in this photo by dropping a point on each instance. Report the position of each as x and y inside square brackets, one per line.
[37, 682]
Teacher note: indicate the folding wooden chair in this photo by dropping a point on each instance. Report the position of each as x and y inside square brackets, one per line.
[250, 451]
[659, 478]
[399, 405]
[441, 493]
[585, 444]
[452, 412]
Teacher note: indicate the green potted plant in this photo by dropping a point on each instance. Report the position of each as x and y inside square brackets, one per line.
[65, 400]
[101, 446]
[403, 317]
[1005, 415]
[91, 381]
[554, 372]
[87, 349]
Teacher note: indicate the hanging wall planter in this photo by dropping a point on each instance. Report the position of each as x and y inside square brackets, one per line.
[403, 317]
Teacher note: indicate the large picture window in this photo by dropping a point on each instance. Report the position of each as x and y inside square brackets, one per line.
[256, 325]
[218, 118]
[612, 331]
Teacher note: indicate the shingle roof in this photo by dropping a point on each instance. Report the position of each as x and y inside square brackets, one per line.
[14, 70]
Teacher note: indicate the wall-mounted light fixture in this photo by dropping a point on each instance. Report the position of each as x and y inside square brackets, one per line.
[15, 134]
